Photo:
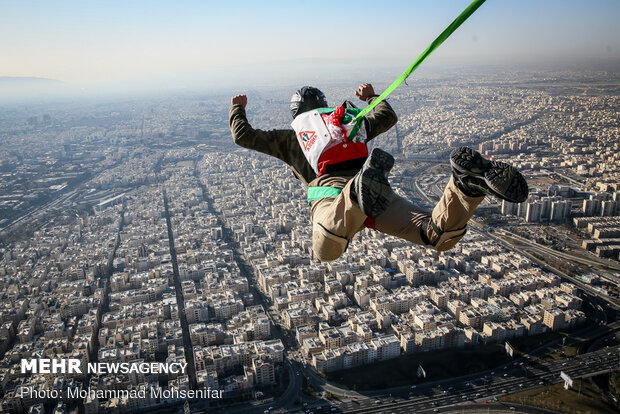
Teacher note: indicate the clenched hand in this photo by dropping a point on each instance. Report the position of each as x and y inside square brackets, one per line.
[239, 100]
[364, 91]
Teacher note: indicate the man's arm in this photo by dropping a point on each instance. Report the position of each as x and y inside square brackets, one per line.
[276, 143]
[382, 117]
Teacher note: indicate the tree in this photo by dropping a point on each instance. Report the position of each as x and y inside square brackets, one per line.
[614, 384]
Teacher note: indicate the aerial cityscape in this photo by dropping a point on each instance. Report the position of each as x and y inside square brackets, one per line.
[135, 231]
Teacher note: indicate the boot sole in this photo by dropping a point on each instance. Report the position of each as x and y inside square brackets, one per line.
[503, 180]
[373, 189]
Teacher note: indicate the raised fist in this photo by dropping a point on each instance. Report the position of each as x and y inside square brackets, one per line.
[239, 100]
[364, 91]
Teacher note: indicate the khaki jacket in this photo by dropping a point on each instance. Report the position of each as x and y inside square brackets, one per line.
[282, 143]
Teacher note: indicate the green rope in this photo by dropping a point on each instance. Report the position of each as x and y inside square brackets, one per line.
[440, 39]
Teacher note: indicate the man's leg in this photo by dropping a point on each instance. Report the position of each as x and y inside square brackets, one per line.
[473, 177]
[442, 230]
[335, 220]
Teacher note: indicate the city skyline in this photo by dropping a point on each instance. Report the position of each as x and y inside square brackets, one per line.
[141, 46]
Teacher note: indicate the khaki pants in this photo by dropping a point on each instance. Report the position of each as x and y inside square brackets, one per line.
[335, 220]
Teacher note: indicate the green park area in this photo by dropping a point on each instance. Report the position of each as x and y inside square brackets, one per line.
[438, 365]
[584, 398]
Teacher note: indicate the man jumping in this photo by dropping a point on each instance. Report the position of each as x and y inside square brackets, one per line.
[348, 189]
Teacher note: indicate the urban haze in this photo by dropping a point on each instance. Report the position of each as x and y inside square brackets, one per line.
[134, 230]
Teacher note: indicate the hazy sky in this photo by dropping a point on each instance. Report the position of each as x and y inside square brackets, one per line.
[100, 42]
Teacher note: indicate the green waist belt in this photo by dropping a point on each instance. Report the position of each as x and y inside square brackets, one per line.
[317, 193]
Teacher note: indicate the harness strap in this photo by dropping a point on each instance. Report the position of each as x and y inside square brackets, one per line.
[317, 193]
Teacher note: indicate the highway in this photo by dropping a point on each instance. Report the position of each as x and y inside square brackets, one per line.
[512, 378]
[39, 211]
[527, 371]
[582, 260]
[520, 375]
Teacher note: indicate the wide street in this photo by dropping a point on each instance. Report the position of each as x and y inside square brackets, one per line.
[479, 387]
